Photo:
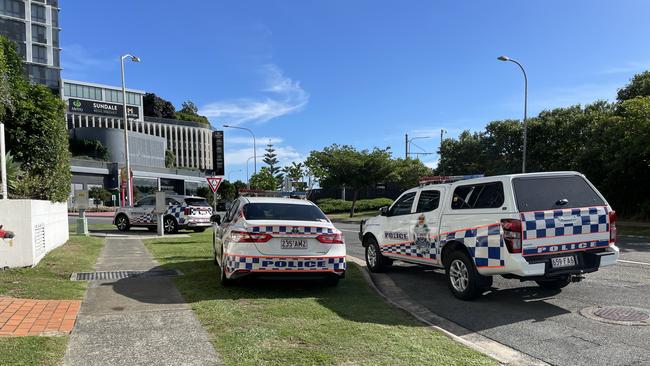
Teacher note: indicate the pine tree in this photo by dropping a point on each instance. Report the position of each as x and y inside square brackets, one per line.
[270, 158]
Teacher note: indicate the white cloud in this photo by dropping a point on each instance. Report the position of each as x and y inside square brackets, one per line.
[285, 155]
[247, 140]
[286, 96]
[628, 67]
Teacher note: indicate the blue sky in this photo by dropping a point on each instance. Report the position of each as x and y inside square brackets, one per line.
[307, 74]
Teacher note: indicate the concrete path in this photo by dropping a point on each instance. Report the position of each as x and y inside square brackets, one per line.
[136, 321]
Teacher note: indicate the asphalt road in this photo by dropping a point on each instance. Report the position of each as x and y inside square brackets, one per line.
[544, 324]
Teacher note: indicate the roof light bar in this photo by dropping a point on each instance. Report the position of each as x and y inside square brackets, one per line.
[438, 179]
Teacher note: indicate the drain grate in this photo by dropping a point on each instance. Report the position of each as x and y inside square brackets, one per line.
[120, 275]
[622, 315]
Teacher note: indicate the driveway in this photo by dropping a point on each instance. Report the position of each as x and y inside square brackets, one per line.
[544, 324]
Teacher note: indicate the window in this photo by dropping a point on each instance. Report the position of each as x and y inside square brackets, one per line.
[484, 195]
[13, 8]
[55, 17]
[132, 98]
[113, 96]
[428, 201]
[56, 57]
[55, 37]
[13, 29]
[283, 211]
[39, 54]
[22, 50]
[147, 201]
[198, 202]
[230, 215]
[38, 34]
[554, 192]
[54, 3]
[38, 13]
[403, 205]
[82, 91]
[171, 202]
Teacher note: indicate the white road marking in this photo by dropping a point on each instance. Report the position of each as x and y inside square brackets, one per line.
[633, 262]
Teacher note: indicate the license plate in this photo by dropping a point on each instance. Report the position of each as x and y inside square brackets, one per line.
[293, 244]
[560, 262]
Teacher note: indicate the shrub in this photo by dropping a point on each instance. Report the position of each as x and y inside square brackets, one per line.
[332, 205]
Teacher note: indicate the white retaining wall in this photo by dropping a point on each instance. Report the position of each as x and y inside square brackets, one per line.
[39, 226]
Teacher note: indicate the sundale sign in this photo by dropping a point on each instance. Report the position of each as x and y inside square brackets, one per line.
[105, 109]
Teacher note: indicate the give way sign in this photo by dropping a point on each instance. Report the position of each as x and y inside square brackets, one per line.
[214, 183]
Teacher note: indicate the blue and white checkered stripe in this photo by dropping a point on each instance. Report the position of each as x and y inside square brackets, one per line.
[178, 211]
[411, 250]
[302, 230]
[142, 219]
[314, 264]
[544, 224]
[484, 243]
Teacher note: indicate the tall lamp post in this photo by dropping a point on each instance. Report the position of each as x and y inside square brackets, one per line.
[254, 144]
[248, 181]
[506, 58]
[409, 141]
[442, 133]
[126, 128]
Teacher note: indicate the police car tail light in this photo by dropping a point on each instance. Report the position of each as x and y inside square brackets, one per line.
[512, 234]
[612, 226]
[187, 211]
[246, 237]
[330, 238]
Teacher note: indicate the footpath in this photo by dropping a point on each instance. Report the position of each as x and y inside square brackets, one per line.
[139, 320]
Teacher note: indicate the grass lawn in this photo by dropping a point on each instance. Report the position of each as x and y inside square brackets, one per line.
[281, 323]
[50, 279]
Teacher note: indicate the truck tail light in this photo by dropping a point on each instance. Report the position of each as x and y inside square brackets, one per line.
[330, 238]
[512, 234]
[246, 237]
[612, 227]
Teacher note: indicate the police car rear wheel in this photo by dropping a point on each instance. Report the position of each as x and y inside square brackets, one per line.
[555, 284]
[170, 225]
[462, 277]
[224, 280]
[375, 261]
[122, 223]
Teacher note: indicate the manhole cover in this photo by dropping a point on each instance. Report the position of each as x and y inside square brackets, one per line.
[622, 315]
[119, 275]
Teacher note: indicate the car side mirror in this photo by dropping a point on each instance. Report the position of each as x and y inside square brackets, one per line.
[216, 218]
[383, 211]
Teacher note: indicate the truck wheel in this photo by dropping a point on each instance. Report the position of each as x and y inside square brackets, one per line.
[555, 284]
[122, 223]
[375, 261]
[462, 278]
[170, 225]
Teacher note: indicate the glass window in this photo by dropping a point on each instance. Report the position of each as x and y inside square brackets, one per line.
[55, 37]
[38, 13]
[171, 202]
[54, 3]
[66, 89]
[55, 17]
[230, 215]
[56, 57]
[147, 201]
[22, 50]
[555, 192]
[484, 195]
[403, 205]
[113, 96]
[39, 54]
[132, 98]
[82, 91]
[13, 8]
[199, 202]
[283, 211]
[38, 34]
[13, 29]
[428, 201]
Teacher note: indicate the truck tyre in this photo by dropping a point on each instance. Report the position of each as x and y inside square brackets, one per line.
[375, 261]
[122, 222]
[462, 278]
[555, 283]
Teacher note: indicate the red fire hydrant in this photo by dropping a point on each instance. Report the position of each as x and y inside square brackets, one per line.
[6, 234]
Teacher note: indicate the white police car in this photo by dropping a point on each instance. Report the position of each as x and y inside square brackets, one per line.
[183, 212]
[277, 238]
[551, 228]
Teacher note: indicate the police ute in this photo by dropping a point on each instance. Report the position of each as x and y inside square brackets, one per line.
[274, 237]
[183, 212]
[551, 228]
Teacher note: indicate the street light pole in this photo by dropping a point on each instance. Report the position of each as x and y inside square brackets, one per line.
[254, 144]
[523, 160]
[248, 181]
[3, 163]
[442, 132]
[126, 129]
[408, 143]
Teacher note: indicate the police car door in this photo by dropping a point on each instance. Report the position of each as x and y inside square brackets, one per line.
[397, 231]
[143, 211]
[427, 225]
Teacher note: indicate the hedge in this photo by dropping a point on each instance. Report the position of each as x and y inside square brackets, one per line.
[331, 205]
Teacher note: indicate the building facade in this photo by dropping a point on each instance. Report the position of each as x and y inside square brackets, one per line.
[34, 26]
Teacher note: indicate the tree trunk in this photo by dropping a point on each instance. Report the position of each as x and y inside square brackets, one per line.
[354, 201]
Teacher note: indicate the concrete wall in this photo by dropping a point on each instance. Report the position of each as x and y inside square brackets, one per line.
[145, 150]
[40, 226]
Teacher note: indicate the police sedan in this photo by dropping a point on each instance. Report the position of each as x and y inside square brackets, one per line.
[277, 238]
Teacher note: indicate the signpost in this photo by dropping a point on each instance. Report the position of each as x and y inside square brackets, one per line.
[81, 203]
[214, 183]
[161, 207]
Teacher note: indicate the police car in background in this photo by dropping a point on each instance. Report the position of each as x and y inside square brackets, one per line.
[183, 212]
[551, 228]
[277, 238]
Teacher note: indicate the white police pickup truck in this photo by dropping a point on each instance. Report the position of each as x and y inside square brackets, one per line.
[551, 228]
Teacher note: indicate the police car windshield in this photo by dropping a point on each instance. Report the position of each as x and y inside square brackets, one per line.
[554, 192]
[283, 211]
[199, 202]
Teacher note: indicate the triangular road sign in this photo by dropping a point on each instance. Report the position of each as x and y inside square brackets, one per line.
[214, 183]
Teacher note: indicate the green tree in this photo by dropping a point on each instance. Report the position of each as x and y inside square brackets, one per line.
[155, 106]
[296, 172]
[639, 86]
[100, 194]
[190, 112]
[407, 172]
[36, 132]
[263, 180]
[345, 166]
[170, 158]
[271, 159]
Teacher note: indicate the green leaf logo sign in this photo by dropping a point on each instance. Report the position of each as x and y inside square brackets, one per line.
[76, 103]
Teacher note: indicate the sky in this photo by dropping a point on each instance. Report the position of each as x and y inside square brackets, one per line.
[307, 74]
